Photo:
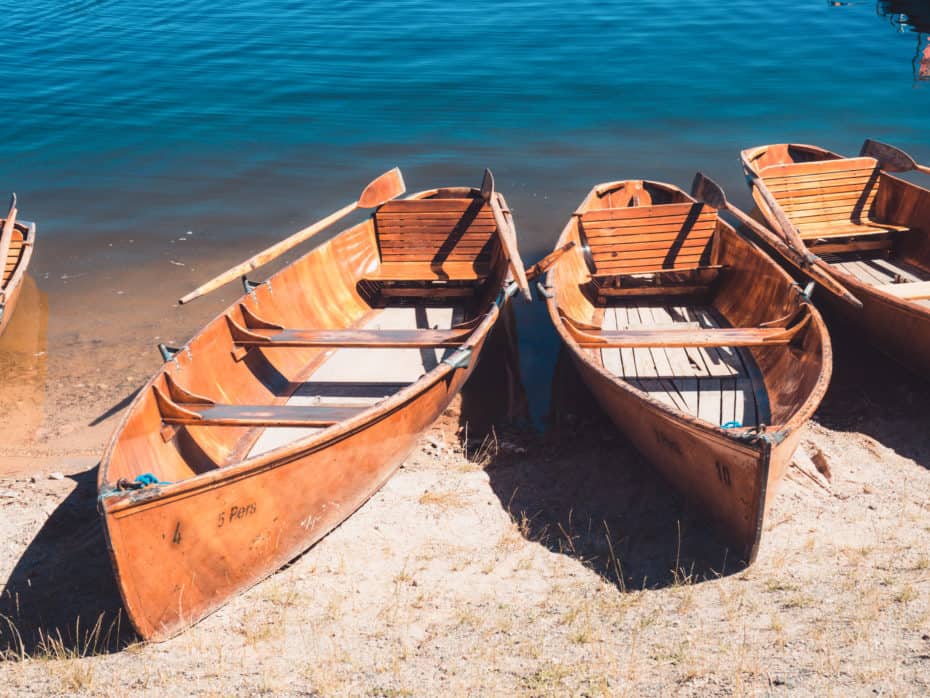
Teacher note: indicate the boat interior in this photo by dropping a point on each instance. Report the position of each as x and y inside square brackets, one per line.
[854, 215]
[339, 331]
[15, 253]
[664, 295]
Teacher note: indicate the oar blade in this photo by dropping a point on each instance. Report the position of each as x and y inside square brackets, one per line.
[487, 185]
[703, 188]
[386, 187]
[890, 158]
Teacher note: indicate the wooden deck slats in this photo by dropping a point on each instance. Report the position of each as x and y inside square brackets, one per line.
[711, 383]
[914, 290]
[645, 238]
[891, 275]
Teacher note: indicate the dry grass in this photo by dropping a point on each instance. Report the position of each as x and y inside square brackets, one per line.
[444, 585]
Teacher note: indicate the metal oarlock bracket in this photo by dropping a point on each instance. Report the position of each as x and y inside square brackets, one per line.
[167, 353]
[506, 292]
[460, 359]
[809, 290]
[171, 353]
[249, 286]
[544, 291]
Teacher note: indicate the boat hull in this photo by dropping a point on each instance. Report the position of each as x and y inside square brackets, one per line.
[220, 536]
[244, 494]
[730, 481]
[729, 473]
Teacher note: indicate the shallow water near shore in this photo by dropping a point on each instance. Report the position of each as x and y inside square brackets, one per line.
[158, 145]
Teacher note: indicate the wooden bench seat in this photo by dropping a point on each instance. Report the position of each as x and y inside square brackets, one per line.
[267, 338]
[657, 282]
[829, 198]
[645, 238]
[258, 332]
[428, 271]
[180, 406]
[780, 331]
[723, 337]
[434, 239]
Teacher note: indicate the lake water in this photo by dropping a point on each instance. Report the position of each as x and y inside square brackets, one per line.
[241, 122]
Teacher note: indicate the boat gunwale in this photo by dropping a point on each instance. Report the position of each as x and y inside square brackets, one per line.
[113, 501]
[741, 440]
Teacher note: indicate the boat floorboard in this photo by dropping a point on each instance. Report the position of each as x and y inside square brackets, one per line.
[715, 384]
[876, 269]
[365, 376]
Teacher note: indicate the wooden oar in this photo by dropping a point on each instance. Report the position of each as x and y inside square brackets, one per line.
[384, 188]
[507, 233]
[547, 262]
[6, 238]
[891, 158]
[707, 190]
[790, 234]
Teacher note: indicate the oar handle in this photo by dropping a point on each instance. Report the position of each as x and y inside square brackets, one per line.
[547, 262]
[507, 233]
[268, 254]
[788, 231]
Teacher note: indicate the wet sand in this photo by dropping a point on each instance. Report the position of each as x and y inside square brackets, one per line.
[84, 335]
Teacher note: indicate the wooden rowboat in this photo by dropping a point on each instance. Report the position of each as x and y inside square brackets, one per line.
[869, 230]
[289, 410]
[16, 241]
[695, 343]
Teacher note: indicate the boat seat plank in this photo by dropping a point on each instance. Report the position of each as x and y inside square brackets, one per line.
[838, 229]
[724, 337]
[429, 271]
[357, 375]
[264, 415]
[354, 338]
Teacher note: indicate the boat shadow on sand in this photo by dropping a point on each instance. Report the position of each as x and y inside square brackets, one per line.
[61, 599]
[872, 395]
[583, 491]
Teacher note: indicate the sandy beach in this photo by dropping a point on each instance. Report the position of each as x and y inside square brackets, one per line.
[525, 563]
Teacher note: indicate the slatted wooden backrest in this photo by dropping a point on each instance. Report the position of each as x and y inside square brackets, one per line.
[434, 231]
[12, 258]
[647, 238]
[818, 195]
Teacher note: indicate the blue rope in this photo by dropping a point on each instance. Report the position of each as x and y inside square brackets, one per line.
[732, 425]
[146, 479]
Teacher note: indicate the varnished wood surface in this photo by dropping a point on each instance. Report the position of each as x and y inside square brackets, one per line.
[863, 221]
[652, 387]
[15, 266]
[244, 497]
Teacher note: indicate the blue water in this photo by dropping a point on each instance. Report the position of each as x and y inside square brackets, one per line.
[252, 118]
